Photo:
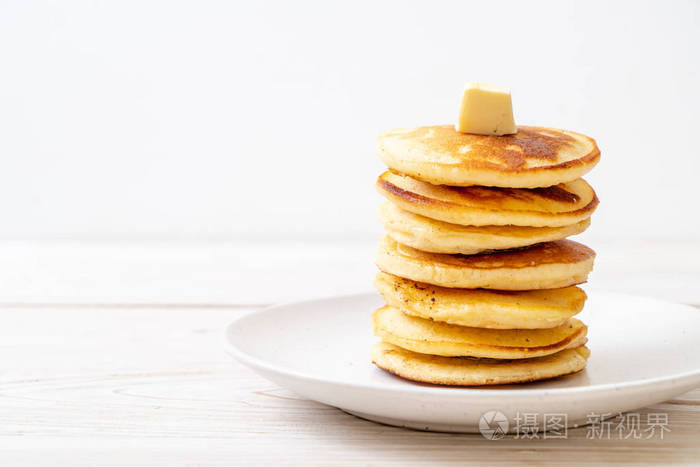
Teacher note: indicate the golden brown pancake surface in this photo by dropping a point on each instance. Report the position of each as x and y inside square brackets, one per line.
[467, 371]
[426, 234]
[545, 266]
[482, 308]
[554, 206]
[435, 338]
[533, 157]
[559, 252]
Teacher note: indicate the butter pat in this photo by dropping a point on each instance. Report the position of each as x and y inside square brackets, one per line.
[486, 110]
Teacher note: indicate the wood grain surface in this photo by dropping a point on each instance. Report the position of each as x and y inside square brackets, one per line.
[152, 386]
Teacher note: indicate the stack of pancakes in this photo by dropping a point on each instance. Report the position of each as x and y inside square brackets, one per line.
[478, 277]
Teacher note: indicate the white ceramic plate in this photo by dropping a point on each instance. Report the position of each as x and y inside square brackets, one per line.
[643, 351]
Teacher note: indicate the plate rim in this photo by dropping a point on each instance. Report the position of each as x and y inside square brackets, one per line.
[443, 391]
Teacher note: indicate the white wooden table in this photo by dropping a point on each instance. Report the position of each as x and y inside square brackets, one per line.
[112, 355]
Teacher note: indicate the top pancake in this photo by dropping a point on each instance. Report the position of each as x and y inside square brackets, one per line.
[533, 157]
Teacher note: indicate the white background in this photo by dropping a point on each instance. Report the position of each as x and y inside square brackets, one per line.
[166, 120]
[166, 167]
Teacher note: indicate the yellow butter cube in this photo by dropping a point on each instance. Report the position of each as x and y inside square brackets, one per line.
[486, 110]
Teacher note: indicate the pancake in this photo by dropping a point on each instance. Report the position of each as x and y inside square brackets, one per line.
[533, 157]
[434, 338]
[465, 371]
[427, 234]
[492, 309]
[549, 265]
[554, 206]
